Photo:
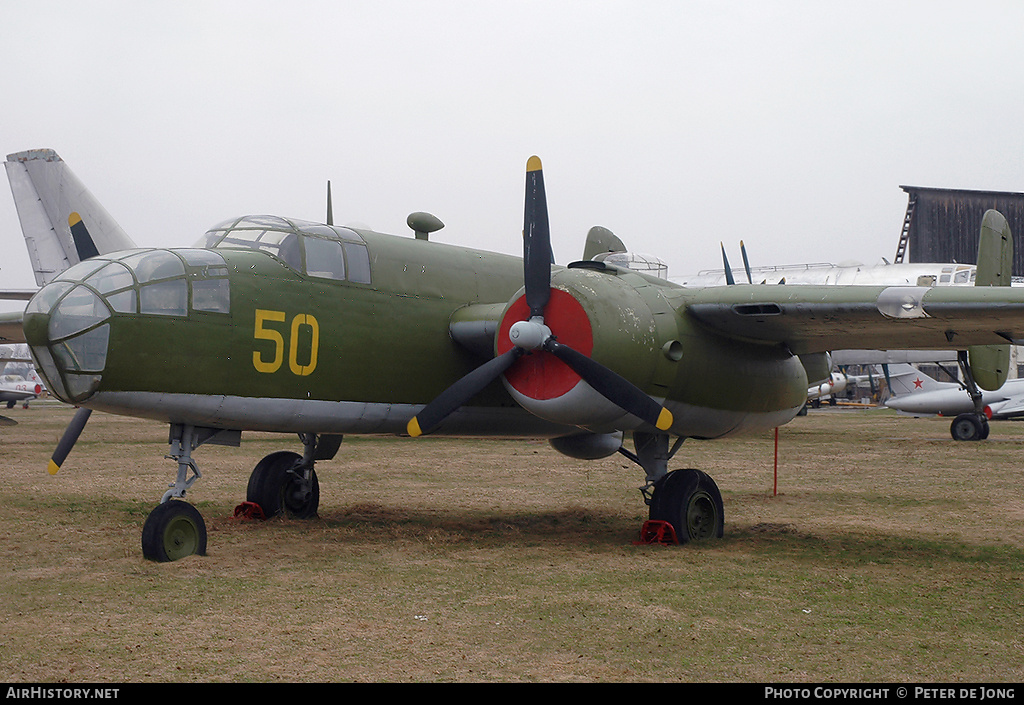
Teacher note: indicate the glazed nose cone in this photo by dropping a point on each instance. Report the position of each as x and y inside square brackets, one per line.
[67, 330]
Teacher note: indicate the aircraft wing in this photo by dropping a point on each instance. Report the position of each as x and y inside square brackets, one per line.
[891, 357]
[811, 319]
[10, 327]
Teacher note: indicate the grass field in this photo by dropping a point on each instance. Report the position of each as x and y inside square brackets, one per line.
[889, 553]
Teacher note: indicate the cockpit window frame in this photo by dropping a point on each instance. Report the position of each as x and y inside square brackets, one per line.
[263, 233]
[191, 268]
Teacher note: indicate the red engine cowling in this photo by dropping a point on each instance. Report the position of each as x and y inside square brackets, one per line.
[601, 316]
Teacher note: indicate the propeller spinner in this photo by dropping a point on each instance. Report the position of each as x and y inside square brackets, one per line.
[533, 334]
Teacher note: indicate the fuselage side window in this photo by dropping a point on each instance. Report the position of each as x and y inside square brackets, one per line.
[358, 262]
[324, 258]
[164, 298]
[211, 295]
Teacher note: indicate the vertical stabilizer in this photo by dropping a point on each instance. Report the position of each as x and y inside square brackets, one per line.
[990, 364]
[62, 222]
[906, 379]
[600, 241]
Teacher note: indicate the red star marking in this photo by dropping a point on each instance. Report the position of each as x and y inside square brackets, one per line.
[917, 383]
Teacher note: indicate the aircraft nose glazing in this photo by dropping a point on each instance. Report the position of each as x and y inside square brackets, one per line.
[67, 331]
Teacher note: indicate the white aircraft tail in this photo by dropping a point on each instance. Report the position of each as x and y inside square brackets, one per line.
[907, 379]
[63, 223]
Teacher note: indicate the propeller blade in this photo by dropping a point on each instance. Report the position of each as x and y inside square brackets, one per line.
[615, 388]
[536, 241]
[67, 441]
[431, 416]
[746, 262]
[728, 270]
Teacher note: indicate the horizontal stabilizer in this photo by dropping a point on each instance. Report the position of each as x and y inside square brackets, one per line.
[10, 327]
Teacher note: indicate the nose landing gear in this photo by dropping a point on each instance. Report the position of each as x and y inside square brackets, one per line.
[282, 484]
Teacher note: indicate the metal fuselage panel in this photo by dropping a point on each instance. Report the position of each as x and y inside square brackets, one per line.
[384, 342]
[299, 353]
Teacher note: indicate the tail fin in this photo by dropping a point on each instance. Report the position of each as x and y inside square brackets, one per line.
[907, 379]
[601, 240]
[63, 223]
[990, 364]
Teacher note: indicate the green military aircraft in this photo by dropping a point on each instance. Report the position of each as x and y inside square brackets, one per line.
[276, 324]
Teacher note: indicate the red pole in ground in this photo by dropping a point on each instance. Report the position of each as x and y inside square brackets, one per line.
[775, 490]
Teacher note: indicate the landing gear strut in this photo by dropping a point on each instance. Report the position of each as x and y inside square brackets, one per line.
[971, 425]
[282, 483]
[175, 529]
[687, 499]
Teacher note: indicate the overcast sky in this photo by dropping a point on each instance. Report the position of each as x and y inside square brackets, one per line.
[677, 124]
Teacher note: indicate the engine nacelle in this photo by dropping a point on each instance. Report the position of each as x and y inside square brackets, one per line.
[605, 313]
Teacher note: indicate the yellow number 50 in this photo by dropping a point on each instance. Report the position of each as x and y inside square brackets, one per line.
[262, 332]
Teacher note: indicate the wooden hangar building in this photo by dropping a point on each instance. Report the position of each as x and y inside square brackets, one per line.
[942, 225]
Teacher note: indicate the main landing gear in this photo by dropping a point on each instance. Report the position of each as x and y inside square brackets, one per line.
[688, 499]
[971, 425]
[283, 483]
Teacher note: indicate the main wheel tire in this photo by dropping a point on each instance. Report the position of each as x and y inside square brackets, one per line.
[280, 492]
[690, 501]
[967, 427]
[174, 530]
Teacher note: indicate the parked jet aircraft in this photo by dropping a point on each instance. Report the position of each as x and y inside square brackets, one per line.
[276, 324]
[917, 393]
[836, 383]
[15, 388]
[18, 379]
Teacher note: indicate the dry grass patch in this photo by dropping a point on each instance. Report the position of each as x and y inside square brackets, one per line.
[890, 553]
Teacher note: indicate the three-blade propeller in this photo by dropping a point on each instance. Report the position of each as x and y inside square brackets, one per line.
[533, 334]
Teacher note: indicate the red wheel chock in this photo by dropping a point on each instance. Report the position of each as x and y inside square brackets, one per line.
[660, 532]
[249, 510]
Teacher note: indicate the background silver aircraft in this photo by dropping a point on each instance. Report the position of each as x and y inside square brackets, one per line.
[18, 379]
[917, 393]
[885, 273]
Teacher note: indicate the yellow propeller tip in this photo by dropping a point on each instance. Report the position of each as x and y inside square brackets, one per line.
[664, 420]
[533, 164]
[74, 219]
[413, 427]
[52, 468]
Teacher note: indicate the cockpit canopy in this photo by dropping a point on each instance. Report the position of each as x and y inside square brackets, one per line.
[323, 251]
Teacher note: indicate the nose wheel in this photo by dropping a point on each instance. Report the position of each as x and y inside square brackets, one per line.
[174, 530]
